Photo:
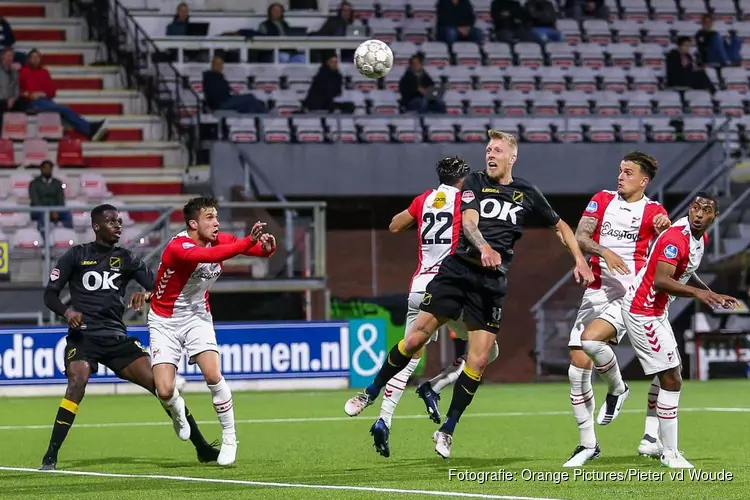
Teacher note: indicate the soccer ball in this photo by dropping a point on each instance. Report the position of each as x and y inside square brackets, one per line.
[373, 59]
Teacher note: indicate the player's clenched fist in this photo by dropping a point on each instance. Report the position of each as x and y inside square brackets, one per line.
[268, 243]
[75, 319]
[583, 274]
[490, 258]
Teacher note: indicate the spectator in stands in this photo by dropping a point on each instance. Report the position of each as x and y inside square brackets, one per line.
[219, 95]
[47, 191]
[38, 89]
[713, 49]
[178, 26]
[275, 25]
[581, 10]
[326, 87]
[455, 22]
[418, 89]
[9, 88]
[543, 16]
[681, 69]
[511, 22]
[338, 25]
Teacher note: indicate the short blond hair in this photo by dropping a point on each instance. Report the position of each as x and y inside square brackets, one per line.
[503, 136]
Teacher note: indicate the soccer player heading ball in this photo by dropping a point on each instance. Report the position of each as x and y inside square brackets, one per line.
[495, 206]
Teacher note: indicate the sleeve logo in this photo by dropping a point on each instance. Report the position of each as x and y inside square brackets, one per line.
[187, 245]
[468, 196]
[54, 275]
[592, 207]
[670, 251]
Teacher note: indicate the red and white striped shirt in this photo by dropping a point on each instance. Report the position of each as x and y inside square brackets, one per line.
[625, 228]
[438, 215]
[187, 271]
[676, 246]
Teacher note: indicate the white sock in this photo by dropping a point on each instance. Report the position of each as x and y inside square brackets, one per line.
[652, 421]
[394, 389]
[666, 409]
[448, 376]
[605, 363]
[582, 399]
[171, 401]
[224, 406]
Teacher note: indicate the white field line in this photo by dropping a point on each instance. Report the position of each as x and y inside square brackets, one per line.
[344, 419]
[452, 494]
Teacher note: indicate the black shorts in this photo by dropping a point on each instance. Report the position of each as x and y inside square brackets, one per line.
[114, 352]
[462, 287]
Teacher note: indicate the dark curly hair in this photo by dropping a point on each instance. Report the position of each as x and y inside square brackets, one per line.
[451, 170]
[648, 163]
[192, 209]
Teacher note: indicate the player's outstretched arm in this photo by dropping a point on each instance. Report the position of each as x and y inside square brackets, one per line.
[190, 253]
[585, 237]
[582, 270]
[664, 282]
[401, 221]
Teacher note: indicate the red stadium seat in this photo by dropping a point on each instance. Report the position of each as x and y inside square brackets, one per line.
[7, 154]
[70, 153]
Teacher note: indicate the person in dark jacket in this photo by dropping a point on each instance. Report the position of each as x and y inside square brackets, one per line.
[455, 22]
[219, 96]
[275, 25]
[178, 26]
[10, 90]
[338, 24]
[511, 21]
[413, 88]
[8, 40]
[543, 16]
[326, 86]
[681, 69]
[712, 48]
[581, 10]
[47, 191]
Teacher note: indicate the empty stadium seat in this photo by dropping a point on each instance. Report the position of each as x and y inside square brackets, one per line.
[70, 152]
[15, 126]
[81, 220]
[341, 129]
[49, 126]
[242, 129]
[276, 129]
[94, 186]
[7, 153]
[308, 129]
[375, 129]
[19, 184]
[406, 130]
[27, 238]
[62, 237]
[35, 151]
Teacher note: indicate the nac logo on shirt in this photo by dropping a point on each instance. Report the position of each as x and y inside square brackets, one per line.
[490, 208]
[94, 280]
[670, 251]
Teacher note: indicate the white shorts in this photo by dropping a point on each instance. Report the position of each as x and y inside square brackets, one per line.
[169, 336]
[415, 299]
[653, 341]
[597, 304]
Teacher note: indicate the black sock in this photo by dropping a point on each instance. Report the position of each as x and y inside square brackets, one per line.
[195, 433]
[463, 393]
[394, 363]
[66, 414]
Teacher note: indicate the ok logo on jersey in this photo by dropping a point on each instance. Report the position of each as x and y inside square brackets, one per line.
[94, 280]
[490, 208]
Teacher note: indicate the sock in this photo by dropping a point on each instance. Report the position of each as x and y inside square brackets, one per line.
[448, 376]
[463, 392]
[582, 399]
[394, 389]
[666, 410]
[222, 398]
[66, 414]
[606, 365]
[171, 401]
[652, 421]
[195, 433]
[395, 362]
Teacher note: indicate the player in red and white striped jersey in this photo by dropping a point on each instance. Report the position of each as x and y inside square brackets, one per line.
[180, 316]
[617, 229]
[673, 260]
[437, 215]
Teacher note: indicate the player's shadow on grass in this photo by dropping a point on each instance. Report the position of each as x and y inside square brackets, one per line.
[156, 462]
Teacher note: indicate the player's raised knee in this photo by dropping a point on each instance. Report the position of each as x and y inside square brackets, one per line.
[165, 389]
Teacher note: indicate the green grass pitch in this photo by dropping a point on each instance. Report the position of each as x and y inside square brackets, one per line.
[292, 439]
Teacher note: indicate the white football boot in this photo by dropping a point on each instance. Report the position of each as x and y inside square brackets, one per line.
[582, 455]
[179, 419]
[443, 442]
[357, 404]
[611, 407]
[228, 452]
[674, 460]
[648, 448]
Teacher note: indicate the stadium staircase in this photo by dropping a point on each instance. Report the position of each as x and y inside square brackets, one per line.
[140, 166]
[555, 312]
